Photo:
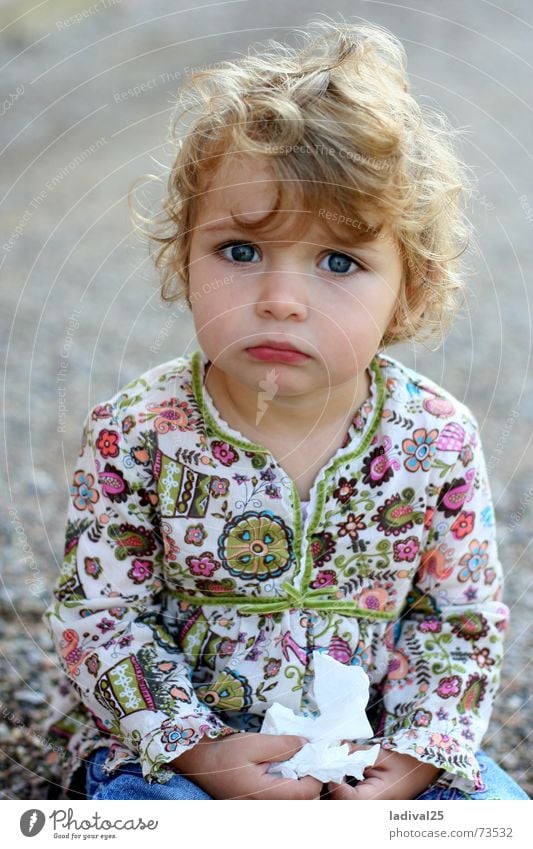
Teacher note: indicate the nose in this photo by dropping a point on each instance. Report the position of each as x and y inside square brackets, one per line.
[282, 295]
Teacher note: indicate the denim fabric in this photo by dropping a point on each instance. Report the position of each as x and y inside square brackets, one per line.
[128, 783]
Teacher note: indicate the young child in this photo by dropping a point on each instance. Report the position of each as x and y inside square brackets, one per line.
[289, 488]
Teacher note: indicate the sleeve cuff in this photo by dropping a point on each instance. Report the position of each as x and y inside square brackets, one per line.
[443, 751]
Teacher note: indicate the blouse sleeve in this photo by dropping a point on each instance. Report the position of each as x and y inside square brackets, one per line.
[107, 622]
[447, 647]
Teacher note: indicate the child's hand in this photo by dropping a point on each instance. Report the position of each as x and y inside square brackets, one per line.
[235, 767]
[393, 776]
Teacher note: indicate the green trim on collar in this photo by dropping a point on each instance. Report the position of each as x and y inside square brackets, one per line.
[245, 444]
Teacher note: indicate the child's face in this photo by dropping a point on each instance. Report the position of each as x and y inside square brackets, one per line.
[310, 293]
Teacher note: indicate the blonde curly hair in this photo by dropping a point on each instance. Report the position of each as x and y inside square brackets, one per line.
[336, 122]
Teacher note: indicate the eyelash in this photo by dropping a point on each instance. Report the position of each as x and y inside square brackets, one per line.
[359, 266]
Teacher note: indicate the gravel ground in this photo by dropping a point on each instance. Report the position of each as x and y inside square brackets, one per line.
[80, 313]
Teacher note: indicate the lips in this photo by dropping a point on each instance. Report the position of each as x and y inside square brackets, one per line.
[277, 346]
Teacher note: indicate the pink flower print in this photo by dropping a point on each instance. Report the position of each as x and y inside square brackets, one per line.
[93, 567]
[420, 449]
[140, 571]
[422, 718]
[430, 626]
[82, 490]
[224, 452]
[273, 491]
[443, 741]
[449, 687]
[375, 599]
[324, 578]
[473, 562]
[218, 486]
[195, 534]
[204, 565]
[406, 549]
[463, 525]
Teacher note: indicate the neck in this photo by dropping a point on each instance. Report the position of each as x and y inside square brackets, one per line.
[326, 411]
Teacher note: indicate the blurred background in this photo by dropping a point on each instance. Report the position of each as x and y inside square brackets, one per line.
[87, 92]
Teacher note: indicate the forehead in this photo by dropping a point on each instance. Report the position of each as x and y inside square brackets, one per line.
[244, 190]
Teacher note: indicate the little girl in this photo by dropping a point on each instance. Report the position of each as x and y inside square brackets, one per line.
[288, 488]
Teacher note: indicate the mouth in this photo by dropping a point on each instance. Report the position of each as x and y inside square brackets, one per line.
[282, 352]
[275, 345]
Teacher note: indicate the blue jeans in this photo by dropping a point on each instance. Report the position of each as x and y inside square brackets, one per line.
[128, 783]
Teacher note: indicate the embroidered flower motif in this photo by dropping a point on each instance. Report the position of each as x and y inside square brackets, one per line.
[422, 718]
[406, 549]
[463, 525]
[92, 566]
[273, 491]
[466, 455]
[140, 571]
[175, 735]
[218, 486]
[256, 545]
[128, 423]
[325, 578]
[271, 667]
[204, 565]
[82, 490]
[482, 657]
[105, 625]
[448, 687]
[352, 525]
[224, 453]
[375, 599]
[195, 534]
[107, 443]
[267, 475]
[473, 562]
[420, 449]
[443, 741]
[345, 490]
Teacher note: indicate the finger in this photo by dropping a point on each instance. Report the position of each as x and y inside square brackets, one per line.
[338, 791]
[275, 747]
[370, 788]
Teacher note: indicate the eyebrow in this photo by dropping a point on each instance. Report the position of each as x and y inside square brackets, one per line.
[358, 240]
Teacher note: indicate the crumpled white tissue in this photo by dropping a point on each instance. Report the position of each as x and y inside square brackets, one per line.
[341, 696]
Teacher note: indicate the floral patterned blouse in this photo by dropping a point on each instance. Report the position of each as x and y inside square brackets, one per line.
[194, 591]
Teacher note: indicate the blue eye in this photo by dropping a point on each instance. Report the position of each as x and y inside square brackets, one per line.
[239, 252]
[339, 263]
